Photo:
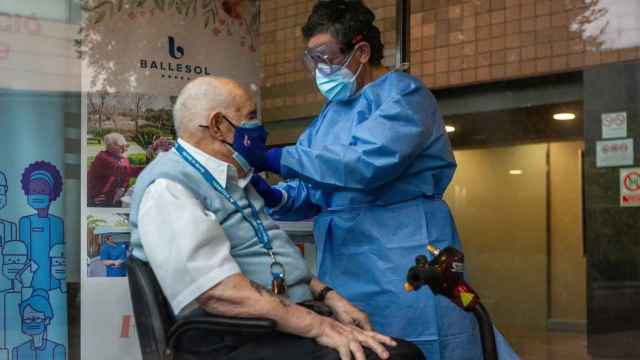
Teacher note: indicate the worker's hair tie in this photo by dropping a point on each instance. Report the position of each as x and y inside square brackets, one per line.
[356, 39]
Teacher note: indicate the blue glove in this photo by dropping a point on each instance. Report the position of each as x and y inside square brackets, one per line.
[272, 196]
[272, 163]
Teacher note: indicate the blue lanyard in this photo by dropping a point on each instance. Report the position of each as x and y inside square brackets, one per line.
[258, 227]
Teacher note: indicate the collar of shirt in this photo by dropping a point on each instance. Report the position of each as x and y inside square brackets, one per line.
[218, 168]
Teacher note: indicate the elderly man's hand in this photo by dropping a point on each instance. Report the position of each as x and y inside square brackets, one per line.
[345, 312]
[349, 340]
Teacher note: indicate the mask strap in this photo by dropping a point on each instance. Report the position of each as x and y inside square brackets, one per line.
[355, 76]
[230, 123]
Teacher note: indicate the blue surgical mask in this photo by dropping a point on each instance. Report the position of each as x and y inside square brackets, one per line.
[33, 328]
[58, 272]
[38, 201]
[11, 270]
[248, 135]
[339, 85]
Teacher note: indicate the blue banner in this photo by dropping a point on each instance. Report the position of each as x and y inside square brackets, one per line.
[33, 292]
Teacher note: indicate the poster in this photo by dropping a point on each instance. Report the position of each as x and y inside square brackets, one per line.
[33, 288]
[136, 57]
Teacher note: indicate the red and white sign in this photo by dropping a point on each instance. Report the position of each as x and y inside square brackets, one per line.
[630, 187]
[614, 153]
[614, 125]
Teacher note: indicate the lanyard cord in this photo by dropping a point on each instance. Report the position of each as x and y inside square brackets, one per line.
[258, 227]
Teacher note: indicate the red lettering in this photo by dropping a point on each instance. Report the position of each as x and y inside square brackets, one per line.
[126, 326]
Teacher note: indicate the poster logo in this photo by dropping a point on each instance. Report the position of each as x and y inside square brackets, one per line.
[175, 51]
[174, 70]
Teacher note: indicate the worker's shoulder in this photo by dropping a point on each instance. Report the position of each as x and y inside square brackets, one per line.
[396, 81]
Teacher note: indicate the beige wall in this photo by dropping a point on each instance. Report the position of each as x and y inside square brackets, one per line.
[568, 266]
[457, 42]
[515, 261]
[503, 227]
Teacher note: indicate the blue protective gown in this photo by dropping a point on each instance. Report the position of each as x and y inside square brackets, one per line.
[40, 234]
[49, 351]
[373, 169]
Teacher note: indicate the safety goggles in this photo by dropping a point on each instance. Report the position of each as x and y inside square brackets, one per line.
[327, 58]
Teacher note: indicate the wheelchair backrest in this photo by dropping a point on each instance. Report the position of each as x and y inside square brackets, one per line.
[151, 309]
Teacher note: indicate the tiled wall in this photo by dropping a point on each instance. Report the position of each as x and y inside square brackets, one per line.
[455, 42]
[287, 89]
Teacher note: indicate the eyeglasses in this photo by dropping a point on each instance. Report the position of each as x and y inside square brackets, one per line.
[29, 320]
[327, 58]
[230, 123]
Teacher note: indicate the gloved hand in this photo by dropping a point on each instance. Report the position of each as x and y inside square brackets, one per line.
[272, 196]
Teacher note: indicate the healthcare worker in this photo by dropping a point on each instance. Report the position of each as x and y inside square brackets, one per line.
[42, 184]
[58, 296]
[114, 257]
[372, 168]
[8, 228]
[15, 268]
[36, 313]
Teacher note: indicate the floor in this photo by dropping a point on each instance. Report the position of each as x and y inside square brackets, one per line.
[550, 345]
[569, 345]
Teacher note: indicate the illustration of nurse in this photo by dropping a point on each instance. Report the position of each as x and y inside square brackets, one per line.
[7, 228]
[42, 184]
[36, 313]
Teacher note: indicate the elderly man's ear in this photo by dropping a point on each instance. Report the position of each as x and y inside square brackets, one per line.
[216, 123]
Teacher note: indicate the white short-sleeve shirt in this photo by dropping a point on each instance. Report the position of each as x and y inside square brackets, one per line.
[185, 243]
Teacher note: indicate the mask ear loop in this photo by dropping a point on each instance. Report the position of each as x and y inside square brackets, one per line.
[230, 123]
[349, 61]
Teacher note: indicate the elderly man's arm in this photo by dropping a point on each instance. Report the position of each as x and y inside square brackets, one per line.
[238, 296]
[343, 310]
[189, 253]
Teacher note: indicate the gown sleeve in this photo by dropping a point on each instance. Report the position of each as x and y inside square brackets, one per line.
[380, 148]
[298, 205]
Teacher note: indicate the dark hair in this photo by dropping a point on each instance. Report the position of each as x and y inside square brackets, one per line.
[349, 22]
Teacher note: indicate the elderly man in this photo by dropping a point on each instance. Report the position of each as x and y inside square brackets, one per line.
[203, 228]
[110, 172]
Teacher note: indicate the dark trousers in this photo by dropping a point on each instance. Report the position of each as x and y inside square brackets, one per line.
[276, 346]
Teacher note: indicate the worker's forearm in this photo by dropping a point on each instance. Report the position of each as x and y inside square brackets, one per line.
[237, 296]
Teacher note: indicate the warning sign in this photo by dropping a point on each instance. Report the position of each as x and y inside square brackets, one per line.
[630, 187]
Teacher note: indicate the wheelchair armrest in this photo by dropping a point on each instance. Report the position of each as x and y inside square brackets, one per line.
[221, 325]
